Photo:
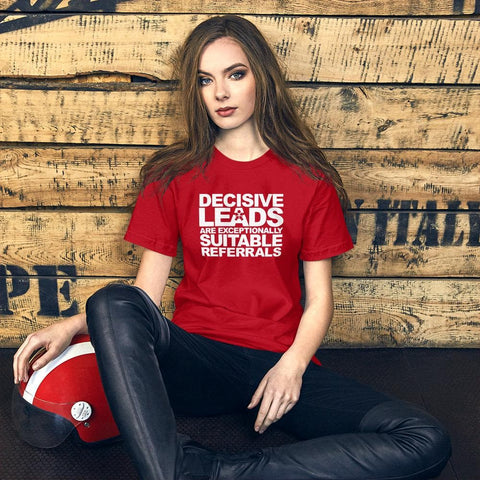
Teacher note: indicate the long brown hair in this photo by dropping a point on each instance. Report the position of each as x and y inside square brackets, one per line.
[277, 119]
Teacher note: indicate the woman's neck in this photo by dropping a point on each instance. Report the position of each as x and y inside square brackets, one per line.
[241, 146]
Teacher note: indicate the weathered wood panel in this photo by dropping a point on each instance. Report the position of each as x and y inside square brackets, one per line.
[413, 244]
[67, 80]
[370, 313]
[342, 117]
[409, 179]
[108, 177]
[85, 177]
[380, 50]
[388, 243]
[86, 116]
[285, 7]
[408, 313]
[91, 243]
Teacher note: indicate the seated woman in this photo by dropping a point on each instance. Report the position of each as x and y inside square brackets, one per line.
[250, 195]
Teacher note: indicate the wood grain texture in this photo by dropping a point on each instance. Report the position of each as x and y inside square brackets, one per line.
[413, 244]
[80, 177]
[368, 313]
[296, 7]
[403, 243]
[409, 179]
[341, 117]
[91, 243]
[109, 177]
[76, 124]
[313, 49]
[406, 313]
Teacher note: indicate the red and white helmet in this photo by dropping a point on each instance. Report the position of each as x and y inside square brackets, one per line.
[65, 395]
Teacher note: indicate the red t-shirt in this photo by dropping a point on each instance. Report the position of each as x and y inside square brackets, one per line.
[243, 227]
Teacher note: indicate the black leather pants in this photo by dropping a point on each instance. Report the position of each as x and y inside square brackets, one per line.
[395, 440]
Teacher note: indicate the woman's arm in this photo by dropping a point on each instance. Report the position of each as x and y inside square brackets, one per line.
[279, 390]
[152, 277]
[153, 274]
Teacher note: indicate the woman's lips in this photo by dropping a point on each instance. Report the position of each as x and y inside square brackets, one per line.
[226, 111]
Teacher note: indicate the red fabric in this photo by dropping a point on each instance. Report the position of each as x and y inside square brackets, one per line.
[243, 227]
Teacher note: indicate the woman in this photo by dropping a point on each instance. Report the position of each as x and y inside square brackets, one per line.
[249, 193]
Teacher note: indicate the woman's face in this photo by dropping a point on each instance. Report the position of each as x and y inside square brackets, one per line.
[227, 84]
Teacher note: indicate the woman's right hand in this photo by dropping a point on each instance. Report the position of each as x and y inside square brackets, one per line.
[54, 338]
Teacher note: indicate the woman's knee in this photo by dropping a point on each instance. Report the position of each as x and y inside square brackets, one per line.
[104, 301]
[123, 310]
[419, 438]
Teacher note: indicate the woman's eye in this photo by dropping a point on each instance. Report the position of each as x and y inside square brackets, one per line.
[202, 81]
[238, 75]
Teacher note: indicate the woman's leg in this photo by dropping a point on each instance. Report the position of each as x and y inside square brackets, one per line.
[142, 356]
[394, 441]
[126, 342]
[353, 432]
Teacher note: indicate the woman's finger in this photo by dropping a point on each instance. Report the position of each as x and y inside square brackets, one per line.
[266, 407]
[284, 409]
[257, 396]
[44, 358]
[20, 360]
[278, 406]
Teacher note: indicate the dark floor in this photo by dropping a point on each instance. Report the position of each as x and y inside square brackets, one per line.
[445, 382]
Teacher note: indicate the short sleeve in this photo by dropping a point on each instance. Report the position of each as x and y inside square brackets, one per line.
[325, 232]
[153, 223]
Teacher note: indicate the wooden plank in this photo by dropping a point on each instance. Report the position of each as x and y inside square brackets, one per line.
[285, 7]
[403, 243]
[368, 313]
[380, 117]
[406, 313]
[342, 117]
[108, 177]
[409, 243]
[450, 179]
[81, 177]
[313, 49]
[85, 117]
[89, 243]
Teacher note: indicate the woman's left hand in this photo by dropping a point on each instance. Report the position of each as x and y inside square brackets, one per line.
[278, 392]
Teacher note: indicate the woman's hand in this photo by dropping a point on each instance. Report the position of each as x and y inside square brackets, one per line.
[54, 338]
[278, 392]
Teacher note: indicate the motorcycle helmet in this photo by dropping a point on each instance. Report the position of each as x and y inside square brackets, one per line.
[64, 396]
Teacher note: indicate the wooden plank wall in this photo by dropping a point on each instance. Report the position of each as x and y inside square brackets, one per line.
[391, 88]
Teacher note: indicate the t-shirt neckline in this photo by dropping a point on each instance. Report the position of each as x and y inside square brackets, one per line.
[227, 162]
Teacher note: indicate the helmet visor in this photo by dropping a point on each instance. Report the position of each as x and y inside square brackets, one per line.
[39, 428]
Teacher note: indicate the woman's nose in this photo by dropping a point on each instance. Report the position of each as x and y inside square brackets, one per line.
[221, 91]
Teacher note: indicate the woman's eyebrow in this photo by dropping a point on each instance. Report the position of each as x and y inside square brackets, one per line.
[226, 70]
